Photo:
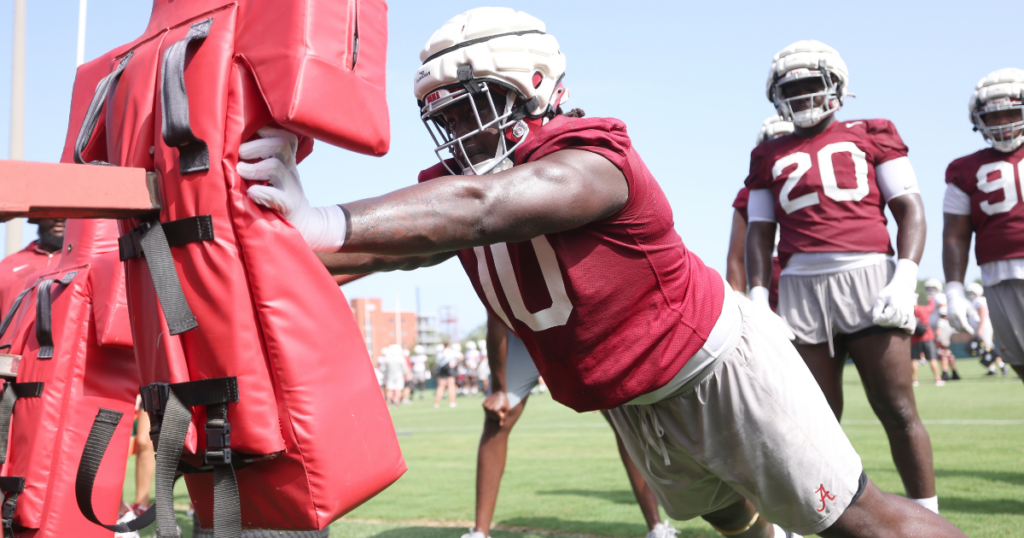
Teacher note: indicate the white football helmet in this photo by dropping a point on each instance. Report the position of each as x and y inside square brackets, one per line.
[1000, 90]
[933, 283]
[808, 59]
[457, 347]
[471, 346]
[773, 127]
[482, 344]
[974, 290]
[419, 350]
[496, 57]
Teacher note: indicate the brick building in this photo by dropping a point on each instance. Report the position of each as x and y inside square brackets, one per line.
[379, 327]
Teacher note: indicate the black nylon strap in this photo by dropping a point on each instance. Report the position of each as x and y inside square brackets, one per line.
[193, 156]
[227, 510]
[174, 427]
[11, 486]
[44, 321]
[217, 390]
[14, 309]
[165, 279]
[178, 232]
[189, 230]
[102, 431]
[92, 115]
[27, 390]
[7, 401]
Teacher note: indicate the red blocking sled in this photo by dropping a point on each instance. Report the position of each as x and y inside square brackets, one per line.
[253, 369]
[70, 329]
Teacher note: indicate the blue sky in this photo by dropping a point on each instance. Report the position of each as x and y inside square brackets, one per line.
[687, 79]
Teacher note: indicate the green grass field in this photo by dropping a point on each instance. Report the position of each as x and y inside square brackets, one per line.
[564, 477]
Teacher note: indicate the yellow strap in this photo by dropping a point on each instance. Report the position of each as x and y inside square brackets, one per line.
[740, 531]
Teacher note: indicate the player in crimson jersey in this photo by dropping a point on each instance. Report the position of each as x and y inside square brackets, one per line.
[983, 196]
[735, 272]
[570, 242]
[39, 255]
[827, 185]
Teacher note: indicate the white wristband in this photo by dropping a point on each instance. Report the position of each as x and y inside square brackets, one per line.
[905, 276]
[324, 228]
[759, 295]
[954, 288]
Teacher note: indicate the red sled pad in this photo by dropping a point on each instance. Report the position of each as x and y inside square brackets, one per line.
[66, 376]
[240, 333]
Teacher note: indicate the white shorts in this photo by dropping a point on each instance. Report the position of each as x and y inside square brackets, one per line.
[420, 377]
[1006, 312]
[755, 426]
[819, 307]
[521, 374]
[484, 370]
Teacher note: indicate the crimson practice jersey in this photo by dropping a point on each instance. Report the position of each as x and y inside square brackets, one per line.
[740, 204]
[992, 179]
[826, 196]
[611, 310]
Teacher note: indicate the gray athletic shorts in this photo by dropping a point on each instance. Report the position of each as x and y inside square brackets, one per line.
[756, 426]
[927, 347]
[521, 374]
[818, 307]
[1006, 310]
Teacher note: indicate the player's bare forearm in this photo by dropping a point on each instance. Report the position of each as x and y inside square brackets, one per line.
[956, 245]
[497, 353]
[565, 190]
[908, 211]
[359, 263]
[759, 245]
[735, 272]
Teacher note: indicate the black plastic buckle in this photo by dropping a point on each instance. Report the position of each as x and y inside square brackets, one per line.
[154, 398]
[129, 245]
[221, 456]
[218, 436]
[8, 515]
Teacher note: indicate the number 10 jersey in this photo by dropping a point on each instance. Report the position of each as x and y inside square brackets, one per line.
[608, 311]
[826, 196]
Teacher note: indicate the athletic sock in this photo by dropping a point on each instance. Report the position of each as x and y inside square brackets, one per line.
[931, 503]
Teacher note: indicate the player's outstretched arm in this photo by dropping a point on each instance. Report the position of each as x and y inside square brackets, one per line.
[564, 190]
[358, 263]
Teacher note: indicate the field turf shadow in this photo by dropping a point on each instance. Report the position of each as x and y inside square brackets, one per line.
[1013, 507]
[617, 496]
[568, 527]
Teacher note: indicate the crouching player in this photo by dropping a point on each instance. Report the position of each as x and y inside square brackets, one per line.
[570, 242]
[982, 197]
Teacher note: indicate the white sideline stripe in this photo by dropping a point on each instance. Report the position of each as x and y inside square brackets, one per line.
[939, 422]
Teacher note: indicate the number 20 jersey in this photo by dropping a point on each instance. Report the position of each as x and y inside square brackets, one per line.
[611, 310]
[826, 196]
[992, 179]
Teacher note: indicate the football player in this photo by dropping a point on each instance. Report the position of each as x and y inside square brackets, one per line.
[983, 197]
[735, 271]
[826, 186]
[569, 240]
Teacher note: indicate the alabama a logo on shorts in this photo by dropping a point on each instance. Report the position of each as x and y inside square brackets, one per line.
[825, 496]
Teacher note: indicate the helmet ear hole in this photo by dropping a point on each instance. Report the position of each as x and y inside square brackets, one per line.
[537, 79]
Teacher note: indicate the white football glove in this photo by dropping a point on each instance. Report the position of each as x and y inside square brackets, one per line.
[956, 307]
[894, 306]
[323, 228]
[759, 296]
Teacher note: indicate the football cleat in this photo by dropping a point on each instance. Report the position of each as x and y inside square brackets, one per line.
[505, 65]
[997, 108]
[808, 60]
